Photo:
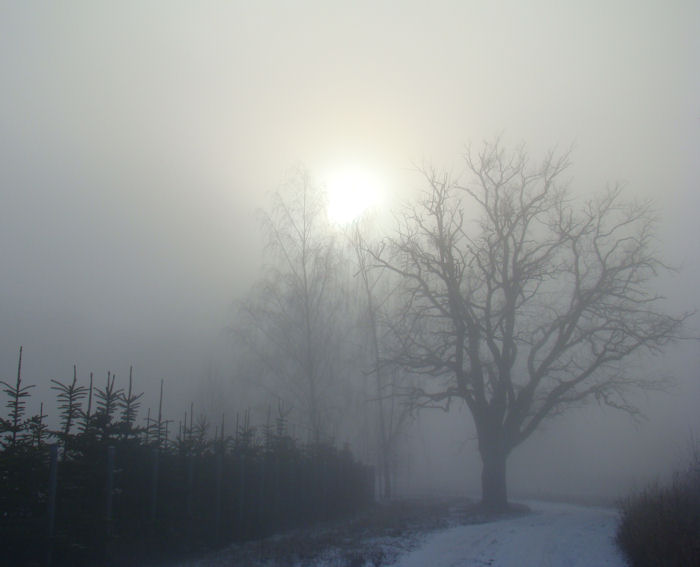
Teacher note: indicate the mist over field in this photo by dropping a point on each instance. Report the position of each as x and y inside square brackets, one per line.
[140, 146]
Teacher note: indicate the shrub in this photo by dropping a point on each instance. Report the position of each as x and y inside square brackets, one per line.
[660, 526]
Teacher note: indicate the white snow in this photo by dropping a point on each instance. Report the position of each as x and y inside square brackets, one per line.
[554, 535]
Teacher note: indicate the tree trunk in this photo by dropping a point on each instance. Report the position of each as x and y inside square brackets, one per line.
[386, 473]
[494, 495]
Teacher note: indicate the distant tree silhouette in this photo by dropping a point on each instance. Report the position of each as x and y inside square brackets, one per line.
[390, 383]
[290, 320]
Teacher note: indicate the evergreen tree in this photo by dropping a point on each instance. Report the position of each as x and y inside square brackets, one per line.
[69, 397]
[17, 404]
[129, 404]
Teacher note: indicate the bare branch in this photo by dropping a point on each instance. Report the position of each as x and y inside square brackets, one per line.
[529, 303]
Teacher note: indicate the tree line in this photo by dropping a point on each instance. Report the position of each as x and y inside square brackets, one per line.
[500, 289]
[105, 487]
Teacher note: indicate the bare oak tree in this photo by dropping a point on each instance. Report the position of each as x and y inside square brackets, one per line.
[521, 302]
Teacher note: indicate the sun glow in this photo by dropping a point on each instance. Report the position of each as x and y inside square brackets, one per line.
[351, 192]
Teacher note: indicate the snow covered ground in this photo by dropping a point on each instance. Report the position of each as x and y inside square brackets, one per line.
[553, 535]
[411, 535]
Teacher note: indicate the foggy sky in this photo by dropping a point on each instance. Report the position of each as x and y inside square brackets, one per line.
[137, 139]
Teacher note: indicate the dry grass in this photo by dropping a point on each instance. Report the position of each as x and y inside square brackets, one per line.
[661, 525]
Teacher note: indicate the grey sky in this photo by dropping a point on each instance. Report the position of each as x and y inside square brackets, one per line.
[137, 139]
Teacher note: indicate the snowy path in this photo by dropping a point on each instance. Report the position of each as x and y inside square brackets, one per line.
[554, 535]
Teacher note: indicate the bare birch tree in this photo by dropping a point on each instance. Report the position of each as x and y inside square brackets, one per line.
[392, 413]
[289, 320]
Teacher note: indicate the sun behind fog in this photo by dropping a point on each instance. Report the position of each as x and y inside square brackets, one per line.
[351, 192]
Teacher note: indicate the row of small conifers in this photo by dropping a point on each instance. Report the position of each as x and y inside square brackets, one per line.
[131, 502]
[104, 491]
